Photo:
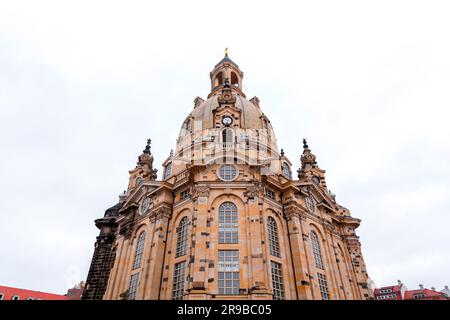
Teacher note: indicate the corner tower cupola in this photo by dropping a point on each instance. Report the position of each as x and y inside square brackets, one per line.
[226, 73]
[309, 170]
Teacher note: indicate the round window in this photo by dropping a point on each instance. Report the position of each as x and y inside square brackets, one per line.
[310, 203]
[316, 179]
[145, 205]
[227, 172]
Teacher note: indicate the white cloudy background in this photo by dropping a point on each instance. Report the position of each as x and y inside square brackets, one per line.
[83, 84]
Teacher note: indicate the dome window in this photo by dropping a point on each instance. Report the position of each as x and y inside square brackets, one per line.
[168, 170]
[187, 125]
[227, 135]
[287, 171]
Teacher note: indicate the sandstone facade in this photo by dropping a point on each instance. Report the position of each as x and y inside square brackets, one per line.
[227, 220]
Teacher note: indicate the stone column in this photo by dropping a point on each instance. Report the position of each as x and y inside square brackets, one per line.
[145, 287]
[331, 266]
[357, 263]
[121, 286]
[300, 260]
[257, 253]
[160, 218]
[198, 259]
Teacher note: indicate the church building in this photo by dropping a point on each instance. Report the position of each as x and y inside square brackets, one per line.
[228, 219]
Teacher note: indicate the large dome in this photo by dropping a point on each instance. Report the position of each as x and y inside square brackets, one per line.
[204, 125]
[225, 126]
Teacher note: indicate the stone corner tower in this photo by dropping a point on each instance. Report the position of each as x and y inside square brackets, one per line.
[227, 220]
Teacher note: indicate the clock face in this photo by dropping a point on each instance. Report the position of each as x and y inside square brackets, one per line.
[316, 180]
[227, 120]
[145, 205]
[310, 204]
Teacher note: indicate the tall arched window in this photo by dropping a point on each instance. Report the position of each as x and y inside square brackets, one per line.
[274, 241]
[139, 250]
[228, 223]
[182, 234]
[315, 245]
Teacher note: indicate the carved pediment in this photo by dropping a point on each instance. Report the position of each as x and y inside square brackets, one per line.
[319, 196]
[135, 197]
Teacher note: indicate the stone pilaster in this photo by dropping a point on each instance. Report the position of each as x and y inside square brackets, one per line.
[199, 257]
[160, 220]
[258, 282]
[300, 260]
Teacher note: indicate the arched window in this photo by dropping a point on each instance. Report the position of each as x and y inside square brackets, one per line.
[227, 135]
[168, 170]
[219, 80]
[274, 241]
[139, 250]
[315, 245]
[228, 223]
[234, 79]
[182, 233]
[287, 171]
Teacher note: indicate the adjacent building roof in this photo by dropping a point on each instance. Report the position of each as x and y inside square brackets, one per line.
[11, 293]
[424, 294]
[418, 294]
[392, 288]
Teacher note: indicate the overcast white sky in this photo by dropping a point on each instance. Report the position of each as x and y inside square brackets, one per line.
[83, 84]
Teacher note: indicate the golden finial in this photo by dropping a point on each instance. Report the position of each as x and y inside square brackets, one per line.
[226, 52]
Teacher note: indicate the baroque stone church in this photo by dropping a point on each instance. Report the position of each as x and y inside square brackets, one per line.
[227, 220]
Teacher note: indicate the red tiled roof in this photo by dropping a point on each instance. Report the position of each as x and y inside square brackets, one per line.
[429, 294]
[393, 288]
[24, 294]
